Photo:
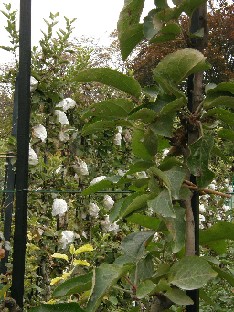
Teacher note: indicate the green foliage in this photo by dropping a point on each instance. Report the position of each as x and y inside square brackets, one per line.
[112, 78]
[191, 273]
[73, 286]
[140, 240]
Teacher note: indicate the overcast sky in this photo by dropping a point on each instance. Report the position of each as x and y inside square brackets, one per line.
[95, 18]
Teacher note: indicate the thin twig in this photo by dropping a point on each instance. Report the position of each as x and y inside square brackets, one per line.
[204, 191]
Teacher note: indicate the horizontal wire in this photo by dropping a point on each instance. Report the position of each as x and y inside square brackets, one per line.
[64, 191]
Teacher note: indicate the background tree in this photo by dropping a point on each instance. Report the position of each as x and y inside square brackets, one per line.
[219, 51]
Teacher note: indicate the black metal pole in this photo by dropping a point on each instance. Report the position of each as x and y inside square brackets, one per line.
[20, 235]
[194, 92]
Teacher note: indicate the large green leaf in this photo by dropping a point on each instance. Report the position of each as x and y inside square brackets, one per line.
[199, 159]
[176, 66]
[74, 285]
[133, 247]
[130, 32]
[112, 78]
[216, 101]
[222, 114]
[110, 109]
[162, 205]
[219, 231]
[60, 307]
[191, 272]
[148, 222]
[105, 276]
[223, 87]
[130, 38]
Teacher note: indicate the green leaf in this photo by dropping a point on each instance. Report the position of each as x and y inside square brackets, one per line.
[214, 101]
[152, 24]
[110, 109]
[139, 166]
[8, 49]
[168, 32]
[163, 125]
[137, 203]
[133, 247]
[145, 288]
[173, 106]
[112, 78]
[104, 184]
[145, 268]
[219, 231]
[191, 272]
[148, 222]
[130, 32]
[223, 87]
[162, 205]
[178, 296]
[172, 178]
[138, 146]
[224, 275]
[74, 285]
[105, 276]
[162, 4]
[151, 142]
[146, 115]
[175, 67]
[176, 227]
[169, 14]
[3, 290]
[98, 126]
[226, 134]
[176, 177]
[199, 159]
[63, 307]
[206, 298]
[218, 246]
[222, 114]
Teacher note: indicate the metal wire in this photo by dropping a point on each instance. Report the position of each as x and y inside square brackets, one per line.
[65, 191]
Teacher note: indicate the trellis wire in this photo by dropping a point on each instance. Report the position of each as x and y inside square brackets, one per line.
[66, 191]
